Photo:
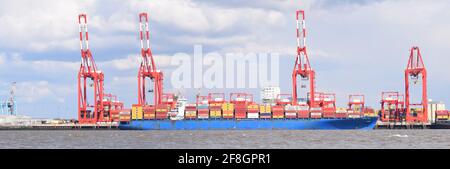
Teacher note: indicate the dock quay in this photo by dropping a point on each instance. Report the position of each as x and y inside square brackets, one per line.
[403, 125]
[62, 127]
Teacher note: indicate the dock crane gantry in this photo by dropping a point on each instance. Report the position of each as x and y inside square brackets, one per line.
[147, 67]
[88, 112]
[415, 70]
[302, 66]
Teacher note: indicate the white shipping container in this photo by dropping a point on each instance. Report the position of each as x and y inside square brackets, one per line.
[316, 114]
[202, 117]
[341, 111]
[253, 115]
[354, 116]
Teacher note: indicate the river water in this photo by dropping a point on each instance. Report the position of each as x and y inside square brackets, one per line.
[261, 139]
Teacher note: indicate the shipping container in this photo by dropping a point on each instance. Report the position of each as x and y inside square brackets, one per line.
[265, 115]
[341, 115]
[136, 112]
[252, 115]
[215, 113]
[316, 115]
[329, 114]
[228, 114]
[203, 113]
[149, 112]
[162, 111]
[190, 114]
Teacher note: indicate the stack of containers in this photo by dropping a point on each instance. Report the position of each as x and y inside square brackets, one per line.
[240, 111]
[115, 115]
[303, 111]
[329, 114]
[124, 115]
[316, 112]
[215, 110]
[253, 111]
[341, 113]
[227, 110]
[136, 112]
[162, 111]
[265, 111]
[277, 111]
[190, 111]
[290, 111]
[442, 114]
[149, 112]
[203, 110]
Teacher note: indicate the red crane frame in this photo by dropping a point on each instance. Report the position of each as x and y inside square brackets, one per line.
[147, 67]
[415, 68]
[246, 96]
[281, 99]
[200, 99]
[213, 98]
[392, 99]
[352, 102]
[88, 70]
[302, 66]
[327, 100]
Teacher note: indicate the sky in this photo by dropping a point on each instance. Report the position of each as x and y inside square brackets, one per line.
[355, 46]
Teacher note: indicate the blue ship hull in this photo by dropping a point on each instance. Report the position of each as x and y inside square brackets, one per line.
[364, 123]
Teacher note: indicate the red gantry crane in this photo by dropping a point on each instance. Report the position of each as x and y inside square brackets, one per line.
[329, 105]
[88, 112]
[392, 106]
[356, 105]
[415, 70]
[112, 106]
[284, 99]
[147, 68]
[302, 66]
[216, 98]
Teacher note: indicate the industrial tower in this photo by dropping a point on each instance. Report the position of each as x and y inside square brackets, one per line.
[147, 68]
[415, 70]
[302, 66]
[9, 106]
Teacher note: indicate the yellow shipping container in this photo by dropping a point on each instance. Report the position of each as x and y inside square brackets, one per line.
[215, 113]
[277, 117]
[264, 109]
[268, 109]
[252, 106]
[228, 106]
[136, 112]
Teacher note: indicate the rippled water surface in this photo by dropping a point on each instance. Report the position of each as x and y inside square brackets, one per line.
[227, 139]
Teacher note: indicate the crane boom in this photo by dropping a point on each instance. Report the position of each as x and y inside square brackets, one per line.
[147, 66]
[88, 71]
[302, 66]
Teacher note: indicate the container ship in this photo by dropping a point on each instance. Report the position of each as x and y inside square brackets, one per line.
[241, 114]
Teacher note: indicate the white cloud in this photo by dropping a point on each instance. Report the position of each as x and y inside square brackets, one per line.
[132, 61]
[32, 91]
[40, 25]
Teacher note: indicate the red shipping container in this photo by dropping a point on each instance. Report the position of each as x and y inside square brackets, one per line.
[203, 113]
[303, 114]
[329, 115]
[341, 115]
[241, 115]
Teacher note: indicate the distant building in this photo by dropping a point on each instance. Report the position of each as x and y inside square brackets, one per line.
[269, 94]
